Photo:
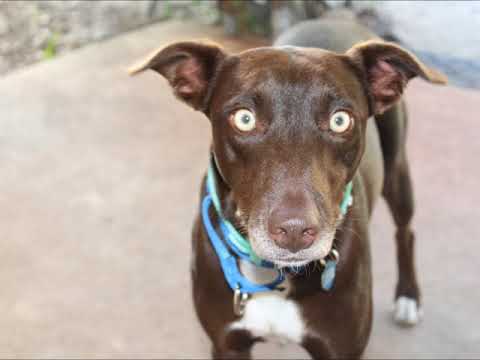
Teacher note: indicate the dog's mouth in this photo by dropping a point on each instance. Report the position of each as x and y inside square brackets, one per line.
[291, 263]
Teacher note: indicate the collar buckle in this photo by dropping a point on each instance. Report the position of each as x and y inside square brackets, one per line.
[239, 301]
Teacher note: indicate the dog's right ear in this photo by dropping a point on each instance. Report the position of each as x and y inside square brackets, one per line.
[189, 67]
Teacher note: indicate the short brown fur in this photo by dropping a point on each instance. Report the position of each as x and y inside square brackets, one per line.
[291, 163]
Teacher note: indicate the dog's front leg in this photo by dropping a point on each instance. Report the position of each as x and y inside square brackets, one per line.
[218, 353]
[399, 195]
[235, 344]
[318, 349]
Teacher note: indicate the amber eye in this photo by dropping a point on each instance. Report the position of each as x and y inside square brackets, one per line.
[244, 120]
[340, 122]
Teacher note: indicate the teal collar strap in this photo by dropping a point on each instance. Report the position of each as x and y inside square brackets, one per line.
[347, 198]
[237, 241]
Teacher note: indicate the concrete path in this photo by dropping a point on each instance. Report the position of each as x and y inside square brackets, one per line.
[99, 179]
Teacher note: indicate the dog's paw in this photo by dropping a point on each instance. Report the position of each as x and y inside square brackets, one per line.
[407, 312]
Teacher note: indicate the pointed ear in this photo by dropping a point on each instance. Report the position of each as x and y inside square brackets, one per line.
[189, 67]
[388, 68]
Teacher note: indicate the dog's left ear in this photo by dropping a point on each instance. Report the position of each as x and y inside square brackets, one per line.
[189, 67]
[388, 68]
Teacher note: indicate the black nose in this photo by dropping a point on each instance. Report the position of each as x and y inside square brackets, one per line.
[292, 228]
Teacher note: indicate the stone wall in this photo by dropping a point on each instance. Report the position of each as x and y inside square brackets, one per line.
[35, 30]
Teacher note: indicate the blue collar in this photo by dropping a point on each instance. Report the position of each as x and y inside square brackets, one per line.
[234, 242]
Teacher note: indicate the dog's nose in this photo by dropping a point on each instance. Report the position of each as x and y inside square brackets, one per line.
[289, 230]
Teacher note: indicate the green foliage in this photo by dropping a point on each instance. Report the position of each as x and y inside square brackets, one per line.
[168, 10]
[50, 49]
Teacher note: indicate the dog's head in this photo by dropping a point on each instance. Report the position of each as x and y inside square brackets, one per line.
[288, 128]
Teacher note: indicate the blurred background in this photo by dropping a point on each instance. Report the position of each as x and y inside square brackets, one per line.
[32, 31]
[100, 173]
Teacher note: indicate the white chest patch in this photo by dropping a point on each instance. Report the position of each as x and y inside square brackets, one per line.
[270, 314]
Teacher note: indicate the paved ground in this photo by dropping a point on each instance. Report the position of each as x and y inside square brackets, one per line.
[98, 187]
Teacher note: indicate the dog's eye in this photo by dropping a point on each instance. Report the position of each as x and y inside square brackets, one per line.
[340, 122]
[244, 120]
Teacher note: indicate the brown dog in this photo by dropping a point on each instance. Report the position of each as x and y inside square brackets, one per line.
[292, 126]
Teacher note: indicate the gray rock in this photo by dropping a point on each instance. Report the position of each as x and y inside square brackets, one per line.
[4, 27]
[26, 26]
[3, 64]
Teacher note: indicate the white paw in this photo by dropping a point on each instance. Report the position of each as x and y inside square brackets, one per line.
[407, 312]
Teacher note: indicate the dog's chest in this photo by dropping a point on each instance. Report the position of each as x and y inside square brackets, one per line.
[270, 314]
